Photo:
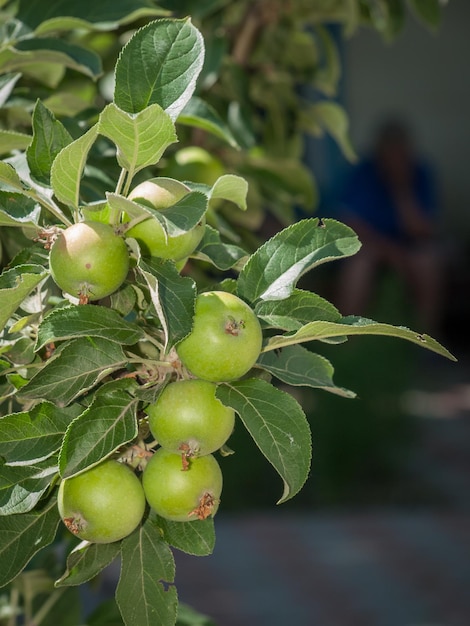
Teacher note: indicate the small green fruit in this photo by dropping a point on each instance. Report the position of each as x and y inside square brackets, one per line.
[160, 194]
[188, 419]
[89, 261]
[226, 338]
[103, 504]
[182, 495]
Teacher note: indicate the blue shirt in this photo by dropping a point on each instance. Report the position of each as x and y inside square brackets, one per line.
[367, 197]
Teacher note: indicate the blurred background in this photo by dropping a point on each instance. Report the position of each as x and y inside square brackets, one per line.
[380, 534]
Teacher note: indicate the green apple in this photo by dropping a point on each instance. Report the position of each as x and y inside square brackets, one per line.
[225, 340]
[89, 261]
[160, 194]
[103, 504]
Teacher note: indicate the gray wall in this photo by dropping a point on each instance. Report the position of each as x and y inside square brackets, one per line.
[425, 78]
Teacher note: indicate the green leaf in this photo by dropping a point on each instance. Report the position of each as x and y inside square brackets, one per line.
[68, 167]
[146, 594]
[320, 330]
[159, 64]
[199, 114]
[18, 210]
[76, 57]
[34, 435]
[141, 138]
[62, 14]
[333, 118]
[296, 310]
[100, 430]
[15, 285]
[21, 536]
[22, 487]
[223, 255]
[272, 272]
[231, 187]
[49, 138]
[43, 51]
[13, 140]
[278, 426]
[173, 297]
[9, 178]
[86, 561]
[86, 321]
[7, 83]
[74, 368]
[429, 11]
[297, 366]
[197, 538]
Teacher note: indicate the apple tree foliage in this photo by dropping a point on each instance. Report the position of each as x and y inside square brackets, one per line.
[76, 378]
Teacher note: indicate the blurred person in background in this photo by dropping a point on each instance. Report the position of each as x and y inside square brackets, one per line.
[390, 201]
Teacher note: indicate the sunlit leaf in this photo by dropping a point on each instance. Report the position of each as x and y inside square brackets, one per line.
[159, 64]
[351, 325]
[68, 167]
[141, 138]
[272, 272]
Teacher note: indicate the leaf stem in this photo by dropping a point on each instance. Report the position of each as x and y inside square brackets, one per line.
[128, 183]
[13, 370]
[149, 362]
[153, 340]
[50, 205]
[115, 214]
[121, 180]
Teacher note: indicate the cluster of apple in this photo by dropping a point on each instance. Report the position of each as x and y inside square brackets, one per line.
[182, 481]
[90, 261]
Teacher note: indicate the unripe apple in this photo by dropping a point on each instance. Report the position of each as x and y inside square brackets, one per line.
[89, 261]
[103, 504]
[188, 419]
[182, 495]
[226, 338]
[161, 194]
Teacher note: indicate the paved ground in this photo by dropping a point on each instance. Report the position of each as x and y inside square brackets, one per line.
[381, 568]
